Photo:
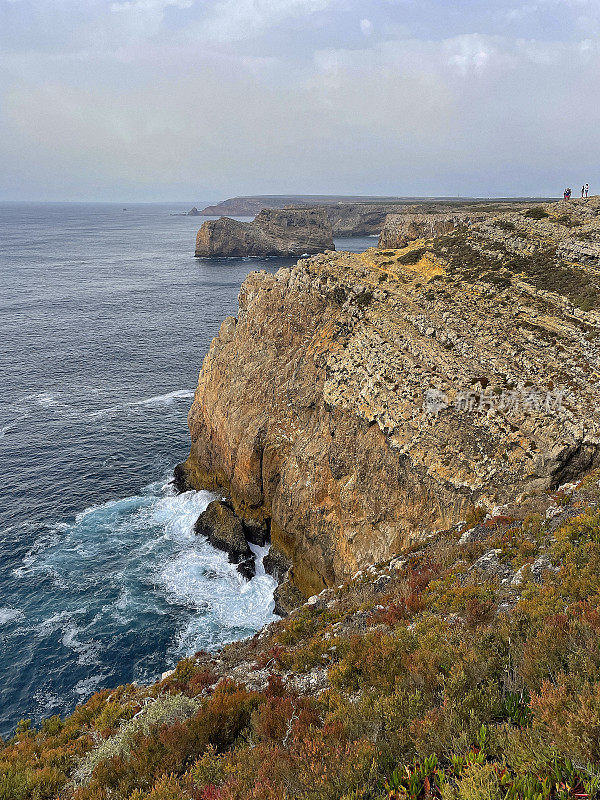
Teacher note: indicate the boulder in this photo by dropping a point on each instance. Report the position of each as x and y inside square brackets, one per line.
[180, 480]
[224, 530]
[247, 568]
[287, 598]
[276, 564]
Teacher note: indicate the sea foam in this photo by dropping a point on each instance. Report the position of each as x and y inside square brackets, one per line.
[138, 584]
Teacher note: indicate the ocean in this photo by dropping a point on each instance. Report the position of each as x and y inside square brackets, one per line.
[105, 317]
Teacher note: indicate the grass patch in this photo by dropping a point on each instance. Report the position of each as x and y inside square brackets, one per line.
[543, 268]
[413, 256]
[536, 213]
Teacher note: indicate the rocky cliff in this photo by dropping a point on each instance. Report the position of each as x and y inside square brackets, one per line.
[360, 216]
[273, 232]
[358, 401]
[360, 219]
[400, 229]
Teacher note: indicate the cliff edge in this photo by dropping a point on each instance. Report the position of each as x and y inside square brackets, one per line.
[358, 401]
[273, 232]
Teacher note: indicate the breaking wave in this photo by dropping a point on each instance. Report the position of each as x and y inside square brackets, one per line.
[129, 589]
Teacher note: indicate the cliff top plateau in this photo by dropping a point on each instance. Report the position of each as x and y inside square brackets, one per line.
[250, 205]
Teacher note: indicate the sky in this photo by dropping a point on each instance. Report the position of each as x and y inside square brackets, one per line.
[192, 100]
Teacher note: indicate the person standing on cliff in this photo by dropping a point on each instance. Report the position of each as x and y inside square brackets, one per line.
[587, 188]
[582, 191]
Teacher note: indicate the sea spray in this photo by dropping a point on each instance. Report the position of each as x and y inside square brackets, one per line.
[132, 589]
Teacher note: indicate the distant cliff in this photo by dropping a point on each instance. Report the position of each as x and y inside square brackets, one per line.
[250, 205]
[348, 216]
[400, 229]
[274, 232]
[360, 216]
[360, 400]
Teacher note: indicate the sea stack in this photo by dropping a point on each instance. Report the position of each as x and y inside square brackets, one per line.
[273, 232]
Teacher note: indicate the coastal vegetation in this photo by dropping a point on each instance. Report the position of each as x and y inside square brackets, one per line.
[467, 669]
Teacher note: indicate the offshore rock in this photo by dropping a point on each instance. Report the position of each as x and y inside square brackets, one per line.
[224, 530]
[273, 232]
[359, 401]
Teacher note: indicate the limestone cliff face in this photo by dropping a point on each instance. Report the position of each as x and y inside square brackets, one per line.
[359, 401]
[400, 229]
[273, 232]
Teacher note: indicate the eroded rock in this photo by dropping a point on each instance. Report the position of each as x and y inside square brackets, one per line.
[273, 232]
[224, 530]
[400, 229]
[287, 598]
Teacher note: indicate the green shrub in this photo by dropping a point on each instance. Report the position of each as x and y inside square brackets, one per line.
[163, 711]
[413, 256]
[536, 213]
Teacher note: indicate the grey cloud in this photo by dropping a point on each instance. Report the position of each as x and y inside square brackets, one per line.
[164, 98]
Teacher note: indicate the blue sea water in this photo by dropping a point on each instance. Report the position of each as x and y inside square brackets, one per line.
[105, 317]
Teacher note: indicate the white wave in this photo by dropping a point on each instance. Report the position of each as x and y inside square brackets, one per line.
[54, 402]
[71, 405]
[7, 428]
[9, 614]
[228, 606]
[87, 652]
[72, 634]
[113, 508]
[45, 399]
[156, 401]
[177, 513]
[56, 621]
[168, 399]
[138, 558]
[87, 686]
[201, 578]
[42, 543]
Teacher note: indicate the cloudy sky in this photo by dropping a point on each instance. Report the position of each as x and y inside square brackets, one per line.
[203, 99]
